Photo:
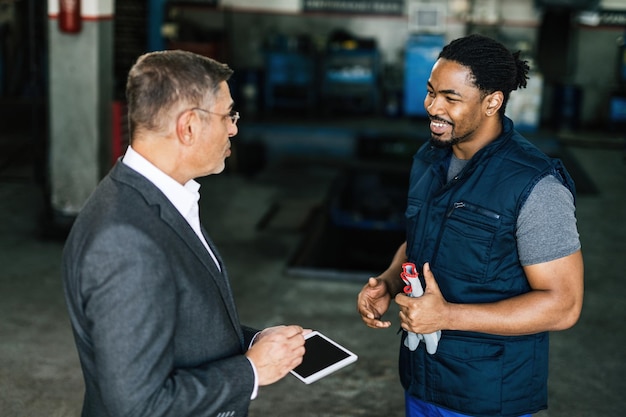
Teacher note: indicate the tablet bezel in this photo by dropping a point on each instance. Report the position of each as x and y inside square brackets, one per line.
[320, 373]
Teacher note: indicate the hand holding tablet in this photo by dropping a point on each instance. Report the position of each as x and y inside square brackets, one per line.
[323, 356]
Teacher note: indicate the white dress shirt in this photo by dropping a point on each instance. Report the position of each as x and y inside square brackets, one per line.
[184, 198]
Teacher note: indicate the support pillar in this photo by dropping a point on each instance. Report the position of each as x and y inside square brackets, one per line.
[80, 99]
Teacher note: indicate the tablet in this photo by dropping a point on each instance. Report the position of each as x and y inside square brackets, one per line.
[322, 357]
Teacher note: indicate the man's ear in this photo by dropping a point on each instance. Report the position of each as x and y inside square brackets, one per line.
[185, 126]
[493, 102]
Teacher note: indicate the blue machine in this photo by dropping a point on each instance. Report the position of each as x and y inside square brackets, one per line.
[420, 55]
[350, 78]
[289, 80]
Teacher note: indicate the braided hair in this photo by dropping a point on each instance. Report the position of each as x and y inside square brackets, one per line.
[493, 67]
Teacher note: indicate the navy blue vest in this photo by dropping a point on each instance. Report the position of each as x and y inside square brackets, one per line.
[465, 228]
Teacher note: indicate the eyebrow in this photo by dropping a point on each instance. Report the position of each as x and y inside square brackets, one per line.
[453, 92]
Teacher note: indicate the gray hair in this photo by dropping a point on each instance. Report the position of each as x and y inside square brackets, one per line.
[160, 82]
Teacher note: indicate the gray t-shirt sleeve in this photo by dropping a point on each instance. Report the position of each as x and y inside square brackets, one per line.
[546, 226]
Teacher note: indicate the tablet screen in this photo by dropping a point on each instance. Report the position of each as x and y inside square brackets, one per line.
[323, 356]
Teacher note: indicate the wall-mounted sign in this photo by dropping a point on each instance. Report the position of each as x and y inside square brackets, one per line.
[603, 18]
[210, 3]
[387, 7]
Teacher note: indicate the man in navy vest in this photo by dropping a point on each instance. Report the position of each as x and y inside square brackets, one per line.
[491, 228]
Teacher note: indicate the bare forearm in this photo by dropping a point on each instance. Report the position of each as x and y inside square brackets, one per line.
[512, 317]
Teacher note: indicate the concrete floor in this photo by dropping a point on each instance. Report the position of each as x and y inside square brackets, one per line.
[39, 371]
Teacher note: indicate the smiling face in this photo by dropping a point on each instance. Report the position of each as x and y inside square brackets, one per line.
[457, 110]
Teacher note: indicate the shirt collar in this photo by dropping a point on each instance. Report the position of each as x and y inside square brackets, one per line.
[184, 198]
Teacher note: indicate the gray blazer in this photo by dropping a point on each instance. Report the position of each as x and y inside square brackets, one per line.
[154, 320]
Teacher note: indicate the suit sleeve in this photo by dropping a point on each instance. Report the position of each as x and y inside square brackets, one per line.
[248, 335]
[130, 307]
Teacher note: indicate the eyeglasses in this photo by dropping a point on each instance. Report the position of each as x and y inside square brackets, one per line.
[232, 115]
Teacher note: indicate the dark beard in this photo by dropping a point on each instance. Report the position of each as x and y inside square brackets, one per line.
[438, 143]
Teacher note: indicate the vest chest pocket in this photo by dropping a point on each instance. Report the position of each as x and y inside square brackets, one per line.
[466, 244]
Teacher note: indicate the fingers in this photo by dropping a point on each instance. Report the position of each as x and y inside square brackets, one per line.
[425, 314]
[278, 332]
[292, 331]
[372, 303]
[405, 315]
[429, 278]
[376, 323]
[404, 320]
[402, 300]
[373, 319]
[277, 351]
[431, 282]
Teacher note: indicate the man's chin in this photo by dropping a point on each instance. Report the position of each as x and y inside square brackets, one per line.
[437, 142]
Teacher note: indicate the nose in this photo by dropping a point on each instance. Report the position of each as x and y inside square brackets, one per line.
[431, 104]
[232, 130]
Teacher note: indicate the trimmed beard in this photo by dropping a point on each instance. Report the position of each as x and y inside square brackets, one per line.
[444, 144]
[441, 144]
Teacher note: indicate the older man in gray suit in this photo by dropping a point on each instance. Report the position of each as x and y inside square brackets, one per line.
[153, 315]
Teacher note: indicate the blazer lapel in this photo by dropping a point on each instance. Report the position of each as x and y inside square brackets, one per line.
[223, 283]
[171, 216]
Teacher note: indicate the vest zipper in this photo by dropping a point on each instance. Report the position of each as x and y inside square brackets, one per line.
[472, 208]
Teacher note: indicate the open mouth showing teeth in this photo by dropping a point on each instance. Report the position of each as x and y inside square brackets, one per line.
[439, 127]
